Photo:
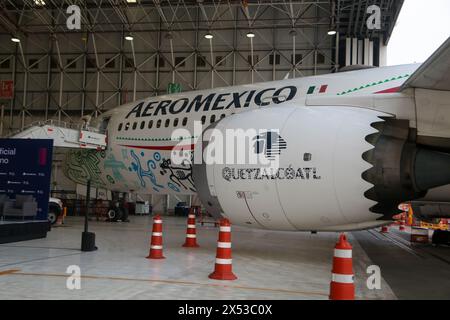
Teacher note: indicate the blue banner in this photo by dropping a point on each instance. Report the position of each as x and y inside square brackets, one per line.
[25, 170]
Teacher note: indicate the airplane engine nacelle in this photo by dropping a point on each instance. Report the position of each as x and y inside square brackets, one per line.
[326, 168]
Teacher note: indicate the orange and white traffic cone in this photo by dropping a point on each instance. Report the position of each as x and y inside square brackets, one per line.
[156, 245]
[384, 229]
[191, 234]
[342, 285]
[223, 266]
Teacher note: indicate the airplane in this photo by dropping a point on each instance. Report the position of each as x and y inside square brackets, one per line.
[350, 147]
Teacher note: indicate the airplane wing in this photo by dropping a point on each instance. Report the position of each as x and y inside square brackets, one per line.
[434, 74]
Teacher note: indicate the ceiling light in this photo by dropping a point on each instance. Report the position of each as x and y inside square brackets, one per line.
[332, 32]
[14, 39]
[129, 37]
[209, 36]
[39, 2]
[131, 1]
[250, 35]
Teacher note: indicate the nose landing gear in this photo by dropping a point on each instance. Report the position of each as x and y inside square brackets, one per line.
[117, 212]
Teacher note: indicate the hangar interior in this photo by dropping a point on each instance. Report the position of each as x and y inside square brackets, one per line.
[127, 50]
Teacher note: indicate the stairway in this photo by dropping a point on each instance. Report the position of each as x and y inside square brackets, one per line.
[64, 135]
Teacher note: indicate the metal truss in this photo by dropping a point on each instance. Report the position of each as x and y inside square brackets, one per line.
[352, 16]
[65, 74]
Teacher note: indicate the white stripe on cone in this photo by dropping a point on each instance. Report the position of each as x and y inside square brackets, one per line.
[191, 236]
[156, 247]
[157, 221]
[223, 261]
[225, 229]
[191, 226]
[224, 244]
[191, 216]
[157, 234]
[342, 278]
[343, 253]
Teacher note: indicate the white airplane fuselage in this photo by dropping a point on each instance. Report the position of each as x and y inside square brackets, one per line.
[140, 138]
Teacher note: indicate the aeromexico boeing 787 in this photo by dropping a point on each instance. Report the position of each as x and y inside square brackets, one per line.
[350, 147]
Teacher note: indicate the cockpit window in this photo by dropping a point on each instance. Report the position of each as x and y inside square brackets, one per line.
[104, 124]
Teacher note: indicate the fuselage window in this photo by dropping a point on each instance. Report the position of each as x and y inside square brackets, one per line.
[142, 124]
[184, 121]
[120, 126]
[175, 122]
[167, 123]
[213, 118]
[127, 126]
[150, 124]
[134, 125]
[158, 123]
[203, 119]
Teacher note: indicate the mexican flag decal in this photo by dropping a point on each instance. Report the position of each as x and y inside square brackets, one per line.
[316, 89]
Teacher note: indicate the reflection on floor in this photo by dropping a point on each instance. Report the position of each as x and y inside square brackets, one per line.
[269, 265]
[413, 271]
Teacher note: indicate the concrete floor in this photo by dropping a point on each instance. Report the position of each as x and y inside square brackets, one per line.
[269, 265]
[414, 271]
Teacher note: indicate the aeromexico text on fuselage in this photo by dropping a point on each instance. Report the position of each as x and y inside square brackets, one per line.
[214, 101]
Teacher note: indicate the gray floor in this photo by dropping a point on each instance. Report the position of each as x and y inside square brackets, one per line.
[418, 271]
[269, 265]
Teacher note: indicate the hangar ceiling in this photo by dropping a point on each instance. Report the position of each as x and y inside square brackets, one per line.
[64, 74]
[43, 16]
